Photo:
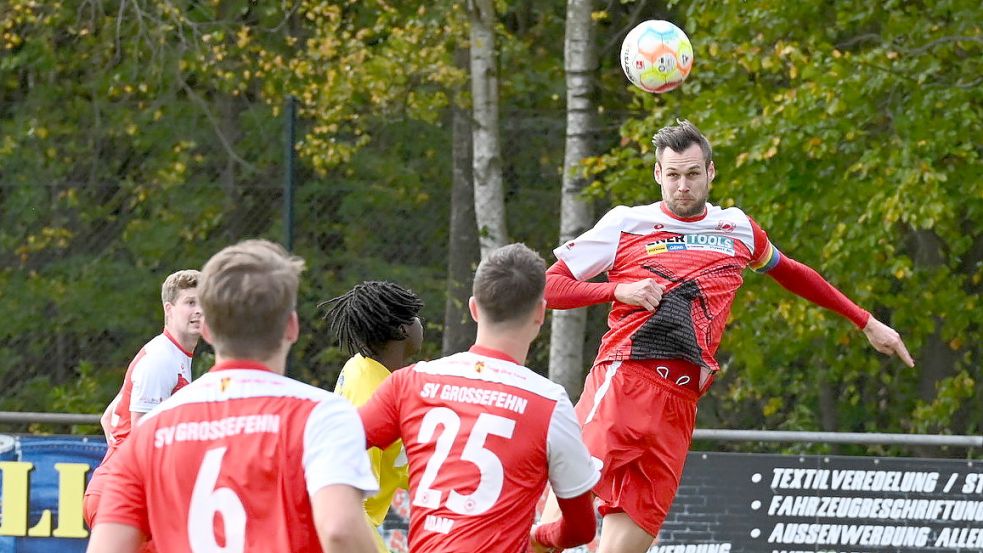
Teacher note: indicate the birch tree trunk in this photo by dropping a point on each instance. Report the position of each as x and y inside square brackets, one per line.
[576, 214]
[489, 199]
[463, 254]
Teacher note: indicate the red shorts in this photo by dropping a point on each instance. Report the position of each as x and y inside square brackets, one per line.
[640, 425]
[89, 505]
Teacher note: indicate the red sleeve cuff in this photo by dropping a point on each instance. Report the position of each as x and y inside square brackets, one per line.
[577, 525]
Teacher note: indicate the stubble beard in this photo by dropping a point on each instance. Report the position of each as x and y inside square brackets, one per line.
[696, 208]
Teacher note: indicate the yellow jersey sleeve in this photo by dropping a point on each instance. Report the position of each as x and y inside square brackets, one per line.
[359, 379]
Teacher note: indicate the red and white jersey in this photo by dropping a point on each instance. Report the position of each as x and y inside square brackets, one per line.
[699, 260]
[483, 434]
[230, 463]
[161, 368]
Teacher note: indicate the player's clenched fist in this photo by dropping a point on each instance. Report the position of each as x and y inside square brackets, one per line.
[645, 293]
[535, 546]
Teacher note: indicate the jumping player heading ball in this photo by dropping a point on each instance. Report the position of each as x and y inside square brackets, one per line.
[673, 269]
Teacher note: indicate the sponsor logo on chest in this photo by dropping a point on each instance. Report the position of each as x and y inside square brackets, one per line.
[691, 242]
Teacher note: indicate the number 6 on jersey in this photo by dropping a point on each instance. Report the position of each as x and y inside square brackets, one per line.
[206, 501]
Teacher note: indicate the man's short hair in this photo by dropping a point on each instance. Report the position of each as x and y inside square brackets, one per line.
[509, 283]
[680, 136]
[175, 282]
[247, 294]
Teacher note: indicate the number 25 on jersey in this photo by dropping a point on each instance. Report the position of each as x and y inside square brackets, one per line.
[489, 465]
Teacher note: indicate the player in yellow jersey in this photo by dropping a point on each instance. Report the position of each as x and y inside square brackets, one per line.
[378, 324]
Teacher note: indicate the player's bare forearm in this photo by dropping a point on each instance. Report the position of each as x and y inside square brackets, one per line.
[114, 537]
[106, 420]
[887, 340]
[340, 520]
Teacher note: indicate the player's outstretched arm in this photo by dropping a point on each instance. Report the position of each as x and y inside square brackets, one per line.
[113, 537]
[887, 340]
[340, 520]
[804, 281]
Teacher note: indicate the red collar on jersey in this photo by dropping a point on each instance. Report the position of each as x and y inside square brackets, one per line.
[229, 364]
[489, 352]
[176, 343]
[695, 218]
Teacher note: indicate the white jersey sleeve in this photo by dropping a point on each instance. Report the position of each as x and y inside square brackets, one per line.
[571, 471]
[154, 378]
[334, 448]
[594, 251]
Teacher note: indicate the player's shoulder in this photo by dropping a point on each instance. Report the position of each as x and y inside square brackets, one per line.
[249, 386]
[487, 369]
[731, 221]
[156, 345]
[160, 348]
[625, 215]
[248, 382]
[623, 218]
[362, 370]
[733, 212]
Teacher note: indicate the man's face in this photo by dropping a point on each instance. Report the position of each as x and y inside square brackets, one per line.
[685, 180]
[184, 315]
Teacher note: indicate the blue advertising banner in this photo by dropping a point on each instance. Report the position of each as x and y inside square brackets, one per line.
[41, 492]
[727, 503]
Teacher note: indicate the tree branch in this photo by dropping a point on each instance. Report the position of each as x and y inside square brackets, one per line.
[936, 42]
[211, 119]
[118, 56]
[286, 18]
[859, 38]
[632, 21]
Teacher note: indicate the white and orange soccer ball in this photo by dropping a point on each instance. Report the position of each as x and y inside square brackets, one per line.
[656, 56]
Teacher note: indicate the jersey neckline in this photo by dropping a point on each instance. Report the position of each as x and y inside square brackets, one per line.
[247, 364]
[491, 352]
[177, 344]
[695, 218]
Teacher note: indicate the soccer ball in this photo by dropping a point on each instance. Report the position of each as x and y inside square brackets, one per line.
[656, 56]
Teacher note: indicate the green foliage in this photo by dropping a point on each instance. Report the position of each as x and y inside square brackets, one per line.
[140, 140]
[140, 137]
[847, 131]
[137, 138]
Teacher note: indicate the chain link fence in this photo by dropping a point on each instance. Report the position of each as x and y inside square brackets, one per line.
[83, 262]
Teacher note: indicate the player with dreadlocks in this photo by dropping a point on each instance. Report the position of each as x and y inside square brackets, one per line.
[378, 324]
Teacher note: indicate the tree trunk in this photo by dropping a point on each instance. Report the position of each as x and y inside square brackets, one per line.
[489, 199]
[462, 249]
[229, 127]
[936, 360]
[576, 214]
